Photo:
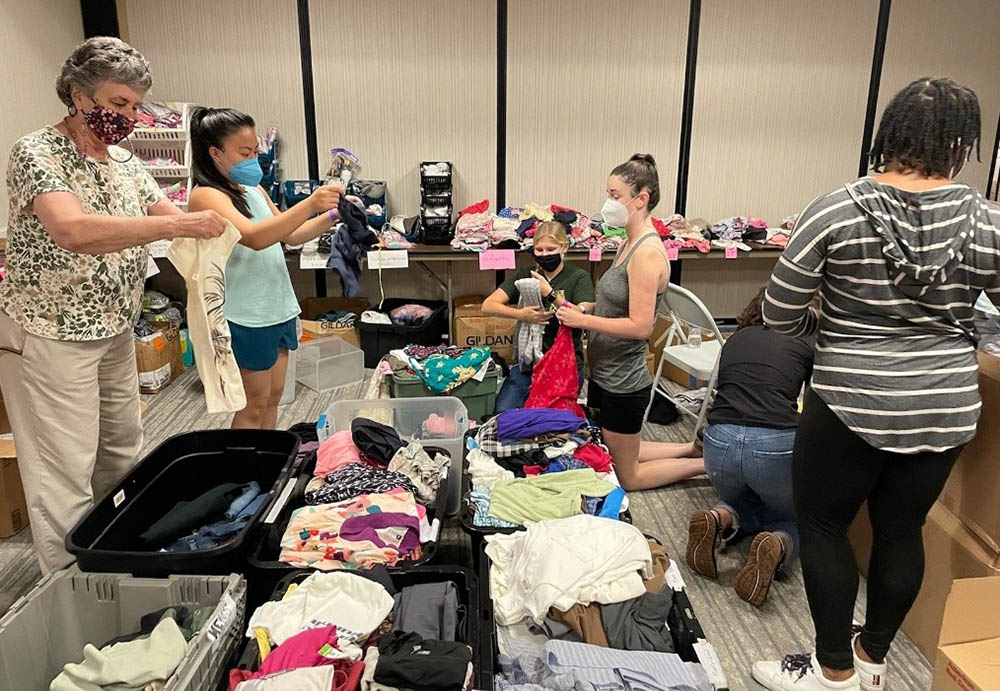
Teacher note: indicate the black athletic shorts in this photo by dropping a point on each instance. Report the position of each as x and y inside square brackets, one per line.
[619, 412]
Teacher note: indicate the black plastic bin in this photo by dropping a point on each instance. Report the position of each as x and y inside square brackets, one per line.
[378, 339]
[469, 629]
[181, 469]
[467, 512]
[685, 630]
[263, 557]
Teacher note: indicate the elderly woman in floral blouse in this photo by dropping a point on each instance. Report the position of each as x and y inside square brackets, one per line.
[82, 211]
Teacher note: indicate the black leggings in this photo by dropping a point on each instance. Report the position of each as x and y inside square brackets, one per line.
[833, 472]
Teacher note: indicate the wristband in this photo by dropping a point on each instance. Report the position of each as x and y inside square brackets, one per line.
[332, 213]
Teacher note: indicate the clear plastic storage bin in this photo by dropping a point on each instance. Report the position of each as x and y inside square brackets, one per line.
[327, 363]
[407, 416]
[48, 627]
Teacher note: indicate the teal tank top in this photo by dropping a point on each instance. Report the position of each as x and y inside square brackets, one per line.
[258, 289]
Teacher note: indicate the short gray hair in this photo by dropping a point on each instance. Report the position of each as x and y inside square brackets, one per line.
[100, 59]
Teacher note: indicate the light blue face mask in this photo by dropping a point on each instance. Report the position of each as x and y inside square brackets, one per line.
[247, 172]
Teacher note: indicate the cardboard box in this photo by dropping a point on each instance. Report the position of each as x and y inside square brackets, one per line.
[314, 307]
[472, 329]
[13, 507]
[155, 358]
[172, 332]
[974, 484]
[951, 552]
[968, 656]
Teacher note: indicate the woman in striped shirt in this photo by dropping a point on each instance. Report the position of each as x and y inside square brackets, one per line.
[898, 259]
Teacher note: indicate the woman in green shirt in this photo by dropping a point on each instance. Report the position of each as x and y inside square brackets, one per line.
[559, 283]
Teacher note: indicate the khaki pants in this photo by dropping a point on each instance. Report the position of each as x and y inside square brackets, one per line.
[74, 411]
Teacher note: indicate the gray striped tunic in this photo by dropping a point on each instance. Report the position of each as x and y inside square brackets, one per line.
[898, 274]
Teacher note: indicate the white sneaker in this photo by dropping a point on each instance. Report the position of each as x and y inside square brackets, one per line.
[798, 673]
[872, 675]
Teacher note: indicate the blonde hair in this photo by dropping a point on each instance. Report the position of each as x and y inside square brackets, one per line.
[552, 230]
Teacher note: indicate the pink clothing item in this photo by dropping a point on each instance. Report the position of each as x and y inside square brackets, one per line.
[438, 426]
[335, 452]
[594, 456]
[301, 650]
[341, 675]
[554, 380]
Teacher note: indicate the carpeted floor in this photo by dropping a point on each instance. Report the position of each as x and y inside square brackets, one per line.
[740, 633]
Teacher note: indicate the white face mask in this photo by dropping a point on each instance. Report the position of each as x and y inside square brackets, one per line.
[614, 213]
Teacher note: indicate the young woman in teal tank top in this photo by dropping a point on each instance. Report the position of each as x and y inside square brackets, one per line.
[619, 325]
[260, 304]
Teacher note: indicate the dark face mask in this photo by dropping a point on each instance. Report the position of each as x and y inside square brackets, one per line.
[548, 262]
[108, 125]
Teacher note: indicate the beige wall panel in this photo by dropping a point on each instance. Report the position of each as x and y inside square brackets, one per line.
[726, 286]
[955, 39]
[780, 101]
[238, 53]
[37, 37]
[402, 82]
[589, 83]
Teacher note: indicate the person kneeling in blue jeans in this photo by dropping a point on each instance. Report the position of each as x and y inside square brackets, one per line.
[748, 454]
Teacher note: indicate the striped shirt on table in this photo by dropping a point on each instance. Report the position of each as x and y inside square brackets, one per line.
[898, 274]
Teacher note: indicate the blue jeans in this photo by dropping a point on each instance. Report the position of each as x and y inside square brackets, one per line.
[515, 390]
[751, 469]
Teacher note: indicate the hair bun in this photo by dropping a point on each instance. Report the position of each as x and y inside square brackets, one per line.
[644, 158]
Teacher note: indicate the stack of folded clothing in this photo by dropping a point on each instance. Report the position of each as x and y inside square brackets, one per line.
[532, 465]
[365, 504]
[350, 631]
[596, 612]
[209, 520]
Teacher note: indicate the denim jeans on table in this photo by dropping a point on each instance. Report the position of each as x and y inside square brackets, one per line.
[751, 469]
[515, 390]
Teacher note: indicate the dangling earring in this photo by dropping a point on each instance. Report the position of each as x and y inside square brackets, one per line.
[72, 110]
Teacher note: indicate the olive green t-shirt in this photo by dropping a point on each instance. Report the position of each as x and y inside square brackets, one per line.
[575, 285]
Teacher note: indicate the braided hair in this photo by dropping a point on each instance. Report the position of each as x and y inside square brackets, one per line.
[930, 127]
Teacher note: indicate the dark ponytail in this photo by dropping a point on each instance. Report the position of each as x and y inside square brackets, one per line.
[211, 127]
[639, 173]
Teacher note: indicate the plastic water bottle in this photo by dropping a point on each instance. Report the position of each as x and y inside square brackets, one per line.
[694, 337]
[187, 352]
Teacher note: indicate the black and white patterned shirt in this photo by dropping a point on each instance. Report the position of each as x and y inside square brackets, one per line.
[898, 274]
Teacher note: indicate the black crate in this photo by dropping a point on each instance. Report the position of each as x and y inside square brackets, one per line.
[469, 593]
[467, 512]
[378, 339]
[437, 231]
[685, 630]
[263, 556]
[435, 181]
[180, 469]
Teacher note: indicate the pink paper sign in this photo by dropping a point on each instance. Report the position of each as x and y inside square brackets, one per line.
[496, 259]
[595, 254]
[731, 253]
[673, 253]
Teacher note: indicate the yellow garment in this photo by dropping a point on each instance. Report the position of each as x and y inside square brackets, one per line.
[554, 495]
[532, 210]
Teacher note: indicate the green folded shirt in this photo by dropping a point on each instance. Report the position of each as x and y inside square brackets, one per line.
[555, 495]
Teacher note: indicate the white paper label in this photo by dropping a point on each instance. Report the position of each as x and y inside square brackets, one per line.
[119, 498]
[286, 492]
[157, 377]
[310, 260]
[388, 259]
[225, 613]
[709, 660]
[673, 576]
[159, 248]
[151, 268]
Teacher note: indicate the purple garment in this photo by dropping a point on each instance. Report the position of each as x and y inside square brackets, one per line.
[519, 423]
[364, 528]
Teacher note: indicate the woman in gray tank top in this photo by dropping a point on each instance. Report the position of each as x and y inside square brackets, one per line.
[619, 325]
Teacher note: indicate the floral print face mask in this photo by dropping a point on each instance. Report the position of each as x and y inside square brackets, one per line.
[108, 125]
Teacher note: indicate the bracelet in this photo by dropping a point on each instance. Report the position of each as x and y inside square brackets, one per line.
[332, 213]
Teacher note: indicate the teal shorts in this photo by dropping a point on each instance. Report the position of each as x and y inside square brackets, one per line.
[256, 347]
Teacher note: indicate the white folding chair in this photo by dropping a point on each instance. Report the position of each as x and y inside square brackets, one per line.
[683, 307]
